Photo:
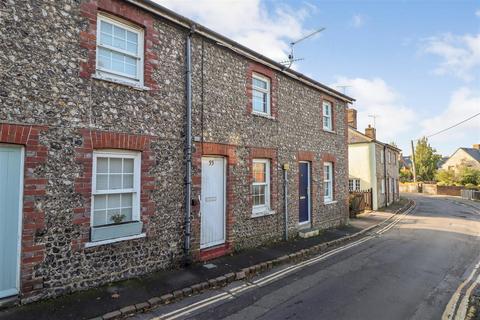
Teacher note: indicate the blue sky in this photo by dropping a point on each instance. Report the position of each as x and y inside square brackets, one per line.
[416, 64]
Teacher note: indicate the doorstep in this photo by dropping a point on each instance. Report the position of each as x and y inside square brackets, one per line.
[308, 233]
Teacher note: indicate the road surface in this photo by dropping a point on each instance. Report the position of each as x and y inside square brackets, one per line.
[413, 270]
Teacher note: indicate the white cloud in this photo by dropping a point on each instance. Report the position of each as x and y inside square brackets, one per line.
[477, 13]
[375, 96]
[463, 103]
[248, 22]
[358, 20]
[460, 54]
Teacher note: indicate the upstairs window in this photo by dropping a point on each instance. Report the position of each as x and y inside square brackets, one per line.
[119, 51]
[260, 94]
[328, 181]
[261, 186]
[327, 116]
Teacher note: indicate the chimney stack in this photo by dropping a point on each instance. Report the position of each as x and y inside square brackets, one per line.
[352, 118]
[476, 146]
[371, 132]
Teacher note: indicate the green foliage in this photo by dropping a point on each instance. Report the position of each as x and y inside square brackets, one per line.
[426, 159]
[405, 175]
[446, 177]
[465, 176]
[471, 186]
[469, 176]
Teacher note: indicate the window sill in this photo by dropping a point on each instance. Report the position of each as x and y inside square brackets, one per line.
[124, 83]
[263, 115]
[329, 131]
[266, 212]
[330, 202]
[109, 241]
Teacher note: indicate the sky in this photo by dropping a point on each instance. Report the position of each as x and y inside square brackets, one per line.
[413, 64]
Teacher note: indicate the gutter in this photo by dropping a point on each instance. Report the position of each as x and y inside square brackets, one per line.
[188, 151]
[174, 17]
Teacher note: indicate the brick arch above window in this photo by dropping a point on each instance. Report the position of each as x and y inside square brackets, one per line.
[261, 70]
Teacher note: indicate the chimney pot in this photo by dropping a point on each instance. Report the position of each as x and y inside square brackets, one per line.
[476, 146]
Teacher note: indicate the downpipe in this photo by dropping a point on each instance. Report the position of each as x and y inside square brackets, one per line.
[285, 179]
[188, 151]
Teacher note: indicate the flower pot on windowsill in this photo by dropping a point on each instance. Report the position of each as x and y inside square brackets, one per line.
[116, 230]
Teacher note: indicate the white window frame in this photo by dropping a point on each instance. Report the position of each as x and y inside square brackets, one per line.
[107, 74]
[122, 154]
[382, 186]
[327, 125]
[329, 197]
[264, 209]
[266, 91]
[354, 184]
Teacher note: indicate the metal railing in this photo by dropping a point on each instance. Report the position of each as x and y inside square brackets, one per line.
[470, 194]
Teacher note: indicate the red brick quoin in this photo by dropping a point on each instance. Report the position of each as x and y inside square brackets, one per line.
[252, 68]
[32, 253]
[229, 152]
[124, 11]
[96, 140]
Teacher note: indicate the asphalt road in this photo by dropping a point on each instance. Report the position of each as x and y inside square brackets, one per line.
[409, 272]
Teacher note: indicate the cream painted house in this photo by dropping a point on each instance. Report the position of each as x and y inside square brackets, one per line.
[464, 157]
[372, 164]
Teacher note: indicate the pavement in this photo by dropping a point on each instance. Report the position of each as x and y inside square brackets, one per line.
[421, 266]
[97, 302]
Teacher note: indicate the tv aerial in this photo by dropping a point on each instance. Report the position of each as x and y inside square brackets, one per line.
[291, 57]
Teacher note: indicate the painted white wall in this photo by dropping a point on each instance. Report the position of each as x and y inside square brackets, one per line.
[361, 165]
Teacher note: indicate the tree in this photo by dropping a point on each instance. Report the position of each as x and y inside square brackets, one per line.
[426, 159]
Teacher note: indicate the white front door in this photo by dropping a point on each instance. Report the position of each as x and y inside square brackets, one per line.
[212, 208]
[11, 175]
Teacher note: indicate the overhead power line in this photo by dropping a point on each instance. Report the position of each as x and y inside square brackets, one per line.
[453, 126]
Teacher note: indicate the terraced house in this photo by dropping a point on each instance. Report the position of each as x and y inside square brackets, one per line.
[133, 140]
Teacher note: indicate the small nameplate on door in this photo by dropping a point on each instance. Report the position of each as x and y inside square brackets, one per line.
[302, 197]
[210, 199]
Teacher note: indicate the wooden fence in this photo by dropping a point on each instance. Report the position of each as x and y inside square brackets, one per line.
[360, 201]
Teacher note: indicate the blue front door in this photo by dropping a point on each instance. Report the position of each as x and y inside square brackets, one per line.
[304, 192]
[10, 206]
